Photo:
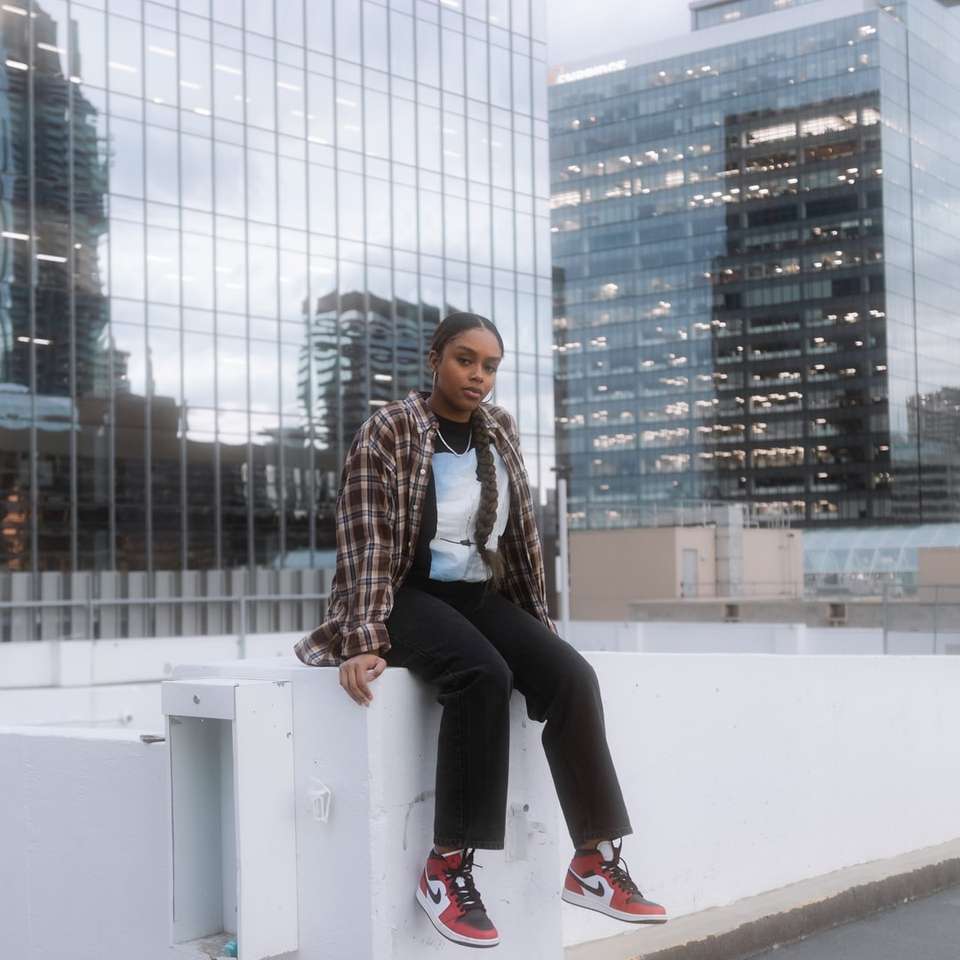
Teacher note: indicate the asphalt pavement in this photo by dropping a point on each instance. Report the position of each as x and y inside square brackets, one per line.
[927, 929]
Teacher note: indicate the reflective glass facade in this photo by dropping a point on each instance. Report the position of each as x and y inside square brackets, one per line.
[756, 295]
[228, 231]
[712, 13]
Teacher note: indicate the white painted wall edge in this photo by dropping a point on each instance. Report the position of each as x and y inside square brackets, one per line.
[745, 773]
[742, 774]
[70, 663]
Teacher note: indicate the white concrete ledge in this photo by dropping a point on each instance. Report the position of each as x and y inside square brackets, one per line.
[115, 682]
[746, 773]
[84, 832]
[782, 916]
[743, 774]
[355, 874]
[109, 682]
[81, 663]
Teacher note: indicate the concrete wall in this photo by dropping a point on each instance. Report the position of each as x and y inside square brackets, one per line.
[87, 890]
[72, 663]
[115, 683]
[785, 638]
[84, 829]
[773, 562]
[748, 773]
[610, 567]
[742, 774]
[134, 705]
[937, 567]
[109, 682]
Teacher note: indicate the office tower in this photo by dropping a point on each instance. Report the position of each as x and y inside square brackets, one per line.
[757, 266]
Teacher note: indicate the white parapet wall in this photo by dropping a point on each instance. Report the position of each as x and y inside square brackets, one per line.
[110, 682]
[742, 773]
[355, 866]
[84, 830]
[747, 772]
[116, 683]
[705, 637]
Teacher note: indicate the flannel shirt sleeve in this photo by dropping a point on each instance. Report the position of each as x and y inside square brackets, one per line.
[366, 513]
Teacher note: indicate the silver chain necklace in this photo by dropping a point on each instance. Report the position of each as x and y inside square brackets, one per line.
[454, 452]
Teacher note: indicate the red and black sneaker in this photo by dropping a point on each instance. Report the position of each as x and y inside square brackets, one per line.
[598, 880]
[449, 898]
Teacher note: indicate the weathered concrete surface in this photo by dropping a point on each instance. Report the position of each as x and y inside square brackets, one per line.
[927, 929]
[785, 915]
[742, 774]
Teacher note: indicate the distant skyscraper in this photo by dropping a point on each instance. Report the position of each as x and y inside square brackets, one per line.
[228, 232]
[756, 237]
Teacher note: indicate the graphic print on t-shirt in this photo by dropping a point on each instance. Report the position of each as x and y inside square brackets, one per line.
[453, 552]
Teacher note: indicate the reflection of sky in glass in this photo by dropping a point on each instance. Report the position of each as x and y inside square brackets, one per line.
[255, 238]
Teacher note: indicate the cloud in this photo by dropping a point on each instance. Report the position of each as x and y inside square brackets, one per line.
[582, 31]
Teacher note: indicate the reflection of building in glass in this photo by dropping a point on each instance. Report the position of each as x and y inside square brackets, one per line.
[756, 266]
[227, 235]
[55, 354]
[712, 13]
[934, 420]
[376, 353]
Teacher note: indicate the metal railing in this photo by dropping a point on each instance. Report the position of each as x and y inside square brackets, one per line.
[25, 620]
[933, 610]
[906, 621]
[683, 513]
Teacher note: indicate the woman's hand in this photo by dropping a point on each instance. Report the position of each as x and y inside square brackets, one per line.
[356, 674]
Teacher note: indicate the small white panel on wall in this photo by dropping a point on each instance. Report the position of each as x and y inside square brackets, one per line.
[212, 699]
[233, 813]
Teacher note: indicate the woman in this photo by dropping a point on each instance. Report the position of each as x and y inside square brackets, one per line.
[439, 570]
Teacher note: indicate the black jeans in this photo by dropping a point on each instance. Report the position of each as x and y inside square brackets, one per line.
[475, 646]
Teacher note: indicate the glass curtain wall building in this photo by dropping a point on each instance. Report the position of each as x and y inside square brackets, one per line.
[712, 13]
[757, 267]
[228, 232]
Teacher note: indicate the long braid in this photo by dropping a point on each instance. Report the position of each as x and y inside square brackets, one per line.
[487, 510]
[451, 326]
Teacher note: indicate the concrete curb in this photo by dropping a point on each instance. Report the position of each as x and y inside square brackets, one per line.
[790, 913]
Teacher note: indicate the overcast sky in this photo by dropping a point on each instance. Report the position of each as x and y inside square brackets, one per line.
[585, 29]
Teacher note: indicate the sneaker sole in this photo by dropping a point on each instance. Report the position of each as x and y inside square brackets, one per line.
[579, 900]
[450, 934]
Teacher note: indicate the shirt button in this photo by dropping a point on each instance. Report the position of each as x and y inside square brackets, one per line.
[423, 470]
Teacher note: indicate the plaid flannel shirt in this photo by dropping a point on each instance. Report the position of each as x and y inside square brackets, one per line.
[382, 490]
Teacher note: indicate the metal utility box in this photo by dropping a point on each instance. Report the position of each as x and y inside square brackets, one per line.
[233, 813]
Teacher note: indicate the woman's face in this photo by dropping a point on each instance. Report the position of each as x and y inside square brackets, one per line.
[466, 372]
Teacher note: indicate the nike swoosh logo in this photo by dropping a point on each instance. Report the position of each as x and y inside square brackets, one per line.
[435, 897]
[598, 889]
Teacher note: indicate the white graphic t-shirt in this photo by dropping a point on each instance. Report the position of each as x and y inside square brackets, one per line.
[453, 552]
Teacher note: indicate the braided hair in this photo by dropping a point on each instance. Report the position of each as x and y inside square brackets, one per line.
[450, 327]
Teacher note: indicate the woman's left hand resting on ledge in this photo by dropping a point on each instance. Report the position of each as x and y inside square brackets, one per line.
[356, 674]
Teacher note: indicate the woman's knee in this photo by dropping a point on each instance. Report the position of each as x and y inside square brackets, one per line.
[494, 677]
[580, 673]
[485, 684]
[489, 678]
